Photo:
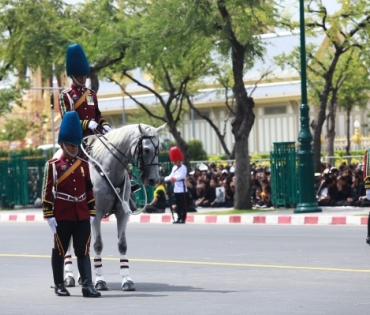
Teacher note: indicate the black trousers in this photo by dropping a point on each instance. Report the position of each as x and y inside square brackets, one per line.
[79, 231]
[181, 205]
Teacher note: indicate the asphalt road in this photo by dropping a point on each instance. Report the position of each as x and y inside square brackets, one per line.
[198, 269]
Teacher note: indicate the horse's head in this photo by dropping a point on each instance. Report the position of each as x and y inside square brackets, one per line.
[145, 149]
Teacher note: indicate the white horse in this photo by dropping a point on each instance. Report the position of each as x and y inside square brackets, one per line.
[109, 158]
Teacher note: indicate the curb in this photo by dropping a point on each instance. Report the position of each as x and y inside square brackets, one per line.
[215, 219]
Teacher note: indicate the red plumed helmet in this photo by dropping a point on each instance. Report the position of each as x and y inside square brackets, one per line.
[176, 154]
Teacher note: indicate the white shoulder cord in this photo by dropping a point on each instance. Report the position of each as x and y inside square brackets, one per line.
[71, 102]
[55, 179]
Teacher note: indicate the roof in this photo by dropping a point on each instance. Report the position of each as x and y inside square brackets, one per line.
[280, 89]
[275, 45]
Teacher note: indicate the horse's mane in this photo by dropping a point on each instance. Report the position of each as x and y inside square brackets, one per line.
[116, 137]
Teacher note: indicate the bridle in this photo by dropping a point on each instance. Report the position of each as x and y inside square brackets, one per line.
[137, 161]
[138, 153]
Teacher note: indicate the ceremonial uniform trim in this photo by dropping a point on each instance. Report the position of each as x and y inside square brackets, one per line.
[88, 109]
[73, 198]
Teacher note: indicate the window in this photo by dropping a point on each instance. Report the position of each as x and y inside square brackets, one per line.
[275, 110]
[198, 117]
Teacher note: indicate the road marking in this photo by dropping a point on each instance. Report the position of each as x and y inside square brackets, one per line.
[185, 262]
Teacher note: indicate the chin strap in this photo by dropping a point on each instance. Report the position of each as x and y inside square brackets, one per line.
[75, 82]
[65, 148]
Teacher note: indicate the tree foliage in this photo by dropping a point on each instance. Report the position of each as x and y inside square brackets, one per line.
[174, 41]
[14, 130]
[196, 150]
[346, 31]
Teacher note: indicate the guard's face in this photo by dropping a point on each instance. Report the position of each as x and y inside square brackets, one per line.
[81, 79]
[69, 150]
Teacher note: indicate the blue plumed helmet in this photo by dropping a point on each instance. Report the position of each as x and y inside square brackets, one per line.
[70, 129]
[76, 61]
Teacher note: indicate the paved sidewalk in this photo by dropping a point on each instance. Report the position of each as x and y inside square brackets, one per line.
[328, 216]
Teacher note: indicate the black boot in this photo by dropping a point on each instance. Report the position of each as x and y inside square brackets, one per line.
[57, 264]
[84, 267]
[61, 290]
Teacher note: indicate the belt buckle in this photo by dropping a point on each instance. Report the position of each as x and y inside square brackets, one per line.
[75, 199]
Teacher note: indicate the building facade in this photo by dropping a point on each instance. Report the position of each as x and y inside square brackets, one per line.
[276, 97]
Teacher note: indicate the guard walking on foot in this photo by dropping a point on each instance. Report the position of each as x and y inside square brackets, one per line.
[69, 206]
[177, 177]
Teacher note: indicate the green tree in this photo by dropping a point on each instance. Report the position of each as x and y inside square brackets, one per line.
[9, 96]
[32, 35]
[187, 36]
[161, 45]
[14, 130]
[346, 31]
[196, 151]
[35, 34]
[355, 90]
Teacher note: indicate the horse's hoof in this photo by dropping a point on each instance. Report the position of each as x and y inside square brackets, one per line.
[128, 286]
[69, 282]
[101, 286]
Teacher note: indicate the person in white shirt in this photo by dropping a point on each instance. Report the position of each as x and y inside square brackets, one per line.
[177, 177]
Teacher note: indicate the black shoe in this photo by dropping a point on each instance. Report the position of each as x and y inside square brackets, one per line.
[175, 222]
[88, 289]
[61, 290]
[368, 240]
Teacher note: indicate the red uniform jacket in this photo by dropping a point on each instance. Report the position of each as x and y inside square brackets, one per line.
[77, 184]
[87, 111]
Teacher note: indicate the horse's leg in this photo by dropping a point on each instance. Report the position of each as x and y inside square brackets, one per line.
[127, 284]
[69, 279]
[100, 283]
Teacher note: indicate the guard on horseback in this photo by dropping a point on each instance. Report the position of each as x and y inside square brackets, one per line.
[80, 98]
[69, 206]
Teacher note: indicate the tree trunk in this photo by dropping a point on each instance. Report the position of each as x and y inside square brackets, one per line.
[348, 146]
[330, 127]
[324, 96]
[241, 127]
[317, 136]
[221, 137]
[94, 82]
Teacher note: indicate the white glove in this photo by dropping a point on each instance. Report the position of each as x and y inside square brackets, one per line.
[107, 128]
[53, 224]
[91, 219]
[92, 124]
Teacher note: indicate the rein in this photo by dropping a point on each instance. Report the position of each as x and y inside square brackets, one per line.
[139, 163]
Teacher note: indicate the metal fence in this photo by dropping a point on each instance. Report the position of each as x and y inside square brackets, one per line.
[21, 180]
[283, 167]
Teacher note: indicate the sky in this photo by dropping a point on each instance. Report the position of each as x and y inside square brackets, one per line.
[292, 6]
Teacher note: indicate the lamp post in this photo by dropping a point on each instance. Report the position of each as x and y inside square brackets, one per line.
[306, 180]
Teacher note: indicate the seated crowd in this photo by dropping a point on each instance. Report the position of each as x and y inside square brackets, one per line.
[343, 186]
[214, 186]
[211, 186]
